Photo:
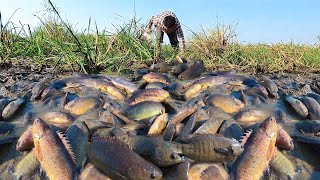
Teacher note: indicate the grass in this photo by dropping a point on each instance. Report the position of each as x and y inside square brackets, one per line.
[92, 50]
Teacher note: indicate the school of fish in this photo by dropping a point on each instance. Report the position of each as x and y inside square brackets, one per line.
[168, 122]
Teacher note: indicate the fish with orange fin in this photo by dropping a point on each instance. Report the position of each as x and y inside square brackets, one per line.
[259, 148]
[53, 152]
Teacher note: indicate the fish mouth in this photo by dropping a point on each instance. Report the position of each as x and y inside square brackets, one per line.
[37, 121]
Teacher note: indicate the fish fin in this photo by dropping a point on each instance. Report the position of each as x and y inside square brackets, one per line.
[185, 159]
[222, 150]
[37, 152]
[67, 146]
[245, 137]
[208, 173]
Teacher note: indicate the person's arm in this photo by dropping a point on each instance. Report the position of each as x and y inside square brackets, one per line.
[150, 23]
[182, 44]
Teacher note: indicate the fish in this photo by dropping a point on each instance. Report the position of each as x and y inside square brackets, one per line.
[143, 110]
[259, 148]
[227, 103]
[37, 89]
[174, 88]
[155, 77]
[179, 68]
[271, 87]
[158, 125]
[127, 86]
[57, 118]
[193, 91]
[282, 166]
[53, 152]
[185, 112]
[154, 94]
[105, 86]
[214, 80]
[25, 142]
[12, 108]
[169, 132]
[179, 171]
[298, 106]
[91, 172]
[114, 158]
[187, 128]
[6, 127]
[256, 90]
[284, 141]
[161, 67]
[314, 96]
[313, 107]
[98, 113]
[308, 138]
[7, 138]
[139, 73]
[250, 116]
[195, 69]
[26, 167]
[78, 136]
[3, 103]
[212, 125]
[311, 126]
[209, 148]
[231, 129]
[158, 85]
[206, 171]
[154, 147]
[80, 105]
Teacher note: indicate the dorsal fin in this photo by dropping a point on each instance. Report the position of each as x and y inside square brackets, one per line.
[67, 146]
[245, 137]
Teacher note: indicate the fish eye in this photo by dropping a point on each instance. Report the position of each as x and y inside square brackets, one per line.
[152, 176]
[173, 156]
[230, 149]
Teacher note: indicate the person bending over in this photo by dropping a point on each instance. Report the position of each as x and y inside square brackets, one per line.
[166, 22]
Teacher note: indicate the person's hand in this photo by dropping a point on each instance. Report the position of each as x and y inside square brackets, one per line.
[148, 31]
[147, 37]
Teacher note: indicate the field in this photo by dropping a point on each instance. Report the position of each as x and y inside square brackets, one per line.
[92, 50]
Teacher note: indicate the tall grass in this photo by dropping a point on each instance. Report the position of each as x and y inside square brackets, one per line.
[92, 50]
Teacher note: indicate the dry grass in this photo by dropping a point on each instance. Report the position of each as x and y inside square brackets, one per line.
[92, 50]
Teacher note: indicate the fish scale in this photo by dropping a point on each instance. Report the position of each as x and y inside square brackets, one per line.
[209, 148]
[258, 151]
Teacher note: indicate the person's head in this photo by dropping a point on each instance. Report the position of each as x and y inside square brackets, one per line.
[169, 21]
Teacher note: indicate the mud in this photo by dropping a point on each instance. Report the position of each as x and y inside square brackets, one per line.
[17, 76]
